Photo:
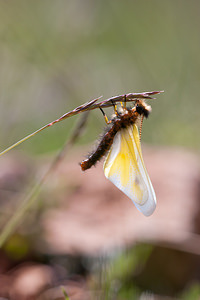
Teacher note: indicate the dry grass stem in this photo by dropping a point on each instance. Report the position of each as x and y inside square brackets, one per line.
[88, 106]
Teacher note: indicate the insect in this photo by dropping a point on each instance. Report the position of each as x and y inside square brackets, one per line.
[124, 165]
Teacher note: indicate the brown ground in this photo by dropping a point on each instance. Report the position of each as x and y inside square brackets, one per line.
[85, 215]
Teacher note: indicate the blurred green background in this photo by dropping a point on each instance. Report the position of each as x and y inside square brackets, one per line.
[55, 55]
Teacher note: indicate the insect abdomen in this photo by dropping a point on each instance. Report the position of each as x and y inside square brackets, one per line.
[101, 150]
[123, 121]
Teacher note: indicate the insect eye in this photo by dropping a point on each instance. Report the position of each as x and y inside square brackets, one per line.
[139, 109]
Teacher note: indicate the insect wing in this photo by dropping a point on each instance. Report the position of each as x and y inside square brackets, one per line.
[124, 166]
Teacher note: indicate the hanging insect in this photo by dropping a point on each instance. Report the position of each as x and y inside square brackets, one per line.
[124, 165]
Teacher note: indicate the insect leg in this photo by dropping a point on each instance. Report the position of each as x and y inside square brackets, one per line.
[123, 103]
[105, 117]
[115, 108]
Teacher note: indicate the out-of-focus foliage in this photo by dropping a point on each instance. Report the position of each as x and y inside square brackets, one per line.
[55, 55]
[192, 293]
[117, 277]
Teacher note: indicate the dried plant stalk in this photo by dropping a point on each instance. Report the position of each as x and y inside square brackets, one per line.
[88, 106]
